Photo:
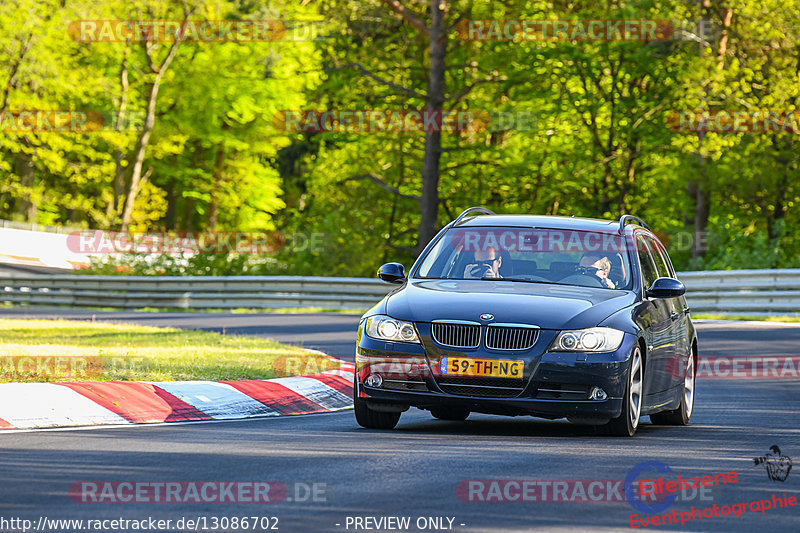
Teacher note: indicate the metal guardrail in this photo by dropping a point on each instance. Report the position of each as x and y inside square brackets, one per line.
[774, 292]
[198, 292]
[752, 292]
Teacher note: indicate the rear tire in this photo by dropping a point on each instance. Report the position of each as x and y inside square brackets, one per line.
[683, 414]
[370, 418]
[457, 414]
[628, 420]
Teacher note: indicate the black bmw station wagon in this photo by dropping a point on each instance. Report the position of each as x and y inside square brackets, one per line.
[531, 315]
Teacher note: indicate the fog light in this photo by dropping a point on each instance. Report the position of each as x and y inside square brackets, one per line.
[598, 394]
[373, 380]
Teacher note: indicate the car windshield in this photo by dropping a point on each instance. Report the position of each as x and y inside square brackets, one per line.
[566, 257]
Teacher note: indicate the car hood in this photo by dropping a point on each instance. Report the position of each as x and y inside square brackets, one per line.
[544, 305]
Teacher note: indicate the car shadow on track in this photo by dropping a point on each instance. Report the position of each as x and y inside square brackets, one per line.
[695, 435]
[517, 427]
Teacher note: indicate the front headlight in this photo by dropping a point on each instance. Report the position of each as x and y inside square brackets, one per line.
[588, 340]
[387, 328]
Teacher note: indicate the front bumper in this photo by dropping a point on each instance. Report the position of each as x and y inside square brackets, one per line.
[554, 385]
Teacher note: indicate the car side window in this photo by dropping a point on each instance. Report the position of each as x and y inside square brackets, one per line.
[668, 261]
[649, 272]
[664, 268]
[662, 265]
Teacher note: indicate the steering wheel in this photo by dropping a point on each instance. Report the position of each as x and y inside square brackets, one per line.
[530, 277]
[586, 280]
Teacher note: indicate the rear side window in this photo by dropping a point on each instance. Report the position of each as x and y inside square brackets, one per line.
[658, 253]
[649, 272]
[666, 259]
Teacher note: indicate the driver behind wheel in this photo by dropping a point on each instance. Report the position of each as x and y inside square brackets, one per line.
[601, 267]
[487, 265]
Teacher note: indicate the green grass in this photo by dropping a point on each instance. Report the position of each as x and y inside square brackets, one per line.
[63, 350]
[717, 316]
[296, 310]
[239, 310]
[276, 310]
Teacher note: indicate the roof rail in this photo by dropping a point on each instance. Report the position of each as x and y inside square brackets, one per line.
[469, 210]
[626, 218]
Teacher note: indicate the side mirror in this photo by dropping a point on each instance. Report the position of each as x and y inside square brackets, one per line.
[666, 288]
[392, 273]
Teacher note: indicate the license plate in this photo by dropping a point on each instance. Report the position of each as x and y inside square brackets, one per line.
[496, 368]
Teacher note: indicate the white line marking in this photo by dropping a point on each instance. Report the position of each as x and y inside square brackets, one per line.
[159, 424]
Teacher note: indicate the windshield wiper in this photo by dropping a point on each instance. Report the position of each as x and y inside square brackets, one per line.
[490, 278]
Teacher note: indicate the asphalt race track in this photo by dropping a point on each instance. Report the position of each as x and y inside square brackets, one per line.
[415, 470]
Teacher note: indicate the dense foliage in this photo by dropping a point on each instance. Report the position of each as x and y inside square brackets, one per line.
[193, 141]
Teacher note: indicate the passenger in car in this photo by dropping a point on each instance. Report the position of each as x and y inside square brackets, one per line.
[617, 274]
[602, 266]
[487, 265]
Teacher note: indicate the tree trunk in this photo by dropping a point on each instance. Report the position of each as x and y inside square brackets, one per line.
[701, 211]
[213, 207]
[141, 150]
[699, 189]
[119, 175]
[630, 182]
[25, 170]
[429, 204]
[605, 200]
[11, 83]
[137, 179]
[171, 215]
[189, 212]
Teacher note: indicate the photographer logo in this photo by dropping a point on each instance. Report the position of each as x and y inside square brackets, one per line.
[778, 465]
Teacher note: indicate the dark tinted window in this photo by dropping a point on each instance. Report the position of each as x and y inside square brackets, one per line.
[649, 272]
[562, 256]
[662, 265]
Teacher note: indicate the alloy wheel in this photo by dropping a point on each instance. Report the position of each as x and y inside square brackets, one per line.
[635, 394]
[688, 387]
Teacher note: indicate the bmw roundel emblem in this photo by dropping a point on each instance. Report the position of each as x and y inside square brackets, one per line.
[487, 316]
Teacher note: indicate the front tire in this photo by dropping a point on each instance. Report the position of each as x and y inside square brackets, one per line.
[683, 414]
[628, 420]
[370, 418]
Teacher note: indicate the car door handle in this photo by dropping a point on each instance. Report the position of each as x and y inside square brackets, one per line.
[685, 309]
[675, 316]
